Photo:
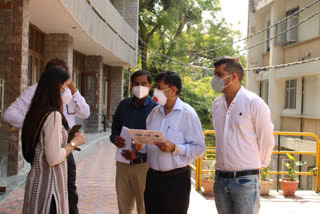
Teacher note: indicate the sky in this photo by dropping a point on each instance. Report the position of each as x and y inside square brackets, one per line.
[236, 13]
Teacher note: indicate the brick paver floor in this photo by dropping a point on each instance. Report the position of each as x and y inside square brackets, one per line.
[95, 181]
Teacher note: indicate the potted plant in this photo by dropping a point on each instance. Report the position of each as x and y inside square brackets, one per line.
[208, 181]
[289, 185]
[265, 182]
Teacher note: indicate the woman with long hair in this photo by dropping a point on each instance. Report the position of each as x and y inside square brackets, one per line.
[44, 142]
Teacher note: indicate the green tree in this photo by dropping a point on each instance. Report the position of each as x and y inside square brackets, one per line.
[169, 19]
[176, 33]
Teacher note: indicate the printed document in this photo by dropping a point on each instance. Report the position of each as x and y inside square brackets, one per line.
[126, 136]
[146, 136]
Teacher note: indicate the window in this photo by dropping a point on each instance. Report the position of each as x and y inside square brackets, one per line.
[268, 36]
[291, 93]
[35, 59]
[264, 90]
[104, 89]
[1, 95]
[90, 89]
[78, 68]
[290, 36]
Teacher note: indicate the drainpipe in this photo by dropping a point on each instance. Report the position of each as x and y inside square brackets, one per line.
[260, 88]
[302, 105]
[129, 82]
[301, 121]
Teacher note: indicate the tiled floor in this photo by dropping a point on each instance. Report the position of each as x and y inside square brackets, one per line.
[95, 181]
[13, 204]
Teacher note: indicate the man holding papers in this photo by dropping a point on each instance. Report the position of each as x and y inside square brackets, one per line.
[168, 182]
[131, 166]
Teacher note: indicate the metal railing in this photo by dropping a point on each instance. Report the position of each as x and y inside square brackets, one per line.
[211, 151]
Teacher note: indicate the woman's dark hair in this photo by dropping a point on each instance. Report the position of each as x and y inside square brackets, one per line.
[141, 73]
[46, 97]
[170, 78]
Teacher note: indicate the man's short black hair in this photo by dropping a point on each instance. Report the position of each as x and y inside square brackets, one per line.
[141, 73]
[233, 65]
[170, 78]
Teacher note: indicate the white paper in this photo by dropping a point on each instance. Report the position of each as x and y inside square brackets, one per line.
[126, 136]
[146, 136]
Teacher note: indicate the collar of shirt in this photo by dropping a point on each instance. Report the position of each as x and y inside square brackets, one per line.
[238, 94]
[145, 103]
[177, 106]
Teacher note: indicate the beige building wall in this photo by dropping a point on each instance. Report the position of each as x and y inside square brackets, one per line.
[306, 114]
[306, 47]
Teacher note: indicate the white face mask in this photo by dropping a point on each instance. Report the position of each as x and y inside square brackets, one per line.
[217, 84]
[140, 91]
[66, 96]
[159, 97]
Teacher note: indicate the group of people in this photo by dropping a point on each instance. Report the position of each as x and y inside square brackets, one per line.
[156, 177]
[45, 111]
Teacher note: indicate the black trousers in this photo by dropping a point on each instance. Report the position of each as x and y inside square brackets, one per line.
[53, 207]
[72, 189]
[168, 192]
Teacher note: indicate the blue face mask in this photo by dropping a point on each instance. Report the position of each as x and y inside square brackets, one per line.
[66, 96]
[217, 84]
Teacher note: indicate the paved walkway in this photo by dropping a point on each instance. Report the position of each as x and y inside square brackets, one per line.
[95, 180]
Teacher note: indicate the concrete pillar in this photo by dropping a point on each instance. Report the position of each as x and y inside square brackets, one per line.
[14, 27]
[276, 90]
[5, 70]
[116, 87]
[58, 46]
[93, 92]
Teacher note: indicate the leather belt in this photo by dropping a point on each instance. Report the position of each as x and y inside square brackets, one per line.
[173, 172]
[235, 174]
[138, 160]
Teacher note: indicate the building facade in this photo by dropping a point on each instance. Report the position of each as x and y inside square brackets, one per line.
[290, 91]
[97, 38]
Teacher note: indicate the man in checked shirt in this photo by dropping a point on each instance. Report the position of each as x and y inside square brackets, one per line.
[244, 140]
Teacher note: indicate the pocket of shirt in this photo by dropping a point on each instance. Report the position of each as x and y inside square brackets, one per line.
[70, 107]
[175, 136]
[241, 118]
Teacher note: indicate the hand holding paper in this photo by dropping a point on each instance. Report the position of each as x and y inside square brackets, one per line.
[119, 141]
[137, 146]
[165, 147]
[127, 145]
[129, 154]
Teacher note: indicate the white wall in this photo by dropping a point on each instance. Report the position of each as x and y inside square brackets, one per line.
[311, 96]
[309, 29]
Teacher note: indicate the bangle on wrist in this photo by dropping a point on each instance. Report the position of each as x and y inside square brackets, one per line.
[73, 144]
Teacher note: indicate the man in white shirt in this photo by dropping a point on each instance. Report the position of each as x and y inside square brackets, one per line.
[17, 111]
[244, 140]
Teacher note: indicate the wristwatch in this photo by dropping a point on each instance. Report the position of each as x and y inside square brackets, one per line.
[73, 144]
[175, 151]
